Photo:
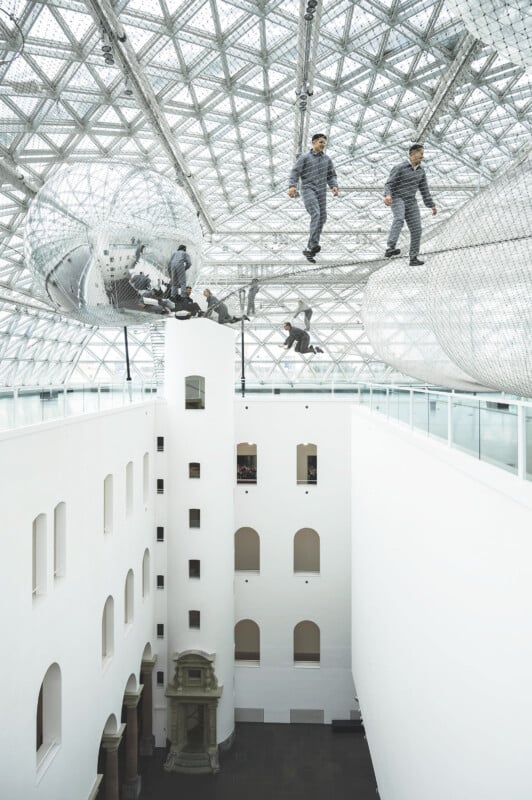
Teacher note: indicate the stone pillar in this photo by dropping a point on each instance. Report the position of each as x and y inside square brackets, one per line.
[131, 785]
[147, 739]
[111, 743]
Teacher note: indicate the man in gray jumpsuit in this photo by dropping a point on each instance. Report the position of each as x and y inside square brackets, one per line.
[301, 338]
[316, 171]
[400, 193]
[177, 267]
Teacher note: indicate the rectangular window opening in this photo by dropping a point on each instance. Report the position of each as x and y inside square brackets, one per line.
[194, 619]
[194, 568]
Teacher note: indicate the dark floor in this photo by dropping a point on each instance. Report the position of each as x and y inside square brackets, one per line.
[273, 762]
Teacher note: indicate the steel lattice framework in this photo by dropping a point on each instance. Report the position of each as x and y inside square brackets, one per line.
[218, 94]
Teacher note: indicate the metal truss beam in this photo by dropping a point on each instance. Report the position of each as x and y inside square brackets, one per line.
[448, 85]
[122, 49]
[10, 173]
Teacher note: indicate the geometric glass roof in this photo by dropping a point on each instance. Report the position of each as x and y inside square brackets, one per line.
[220, 96]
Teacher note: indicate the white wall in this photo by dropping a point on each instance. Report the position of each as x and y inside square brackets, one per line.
[442, 610]
[276, 507]
[40, 467]
[201, 347]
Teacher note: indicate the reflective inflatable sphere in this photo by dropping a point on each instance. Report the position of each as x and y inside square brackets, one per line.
[394, 313]
[99, 238]
[504, 24]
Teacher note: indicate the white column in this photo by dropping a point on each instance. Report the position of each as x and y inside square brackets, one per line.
[201, 347]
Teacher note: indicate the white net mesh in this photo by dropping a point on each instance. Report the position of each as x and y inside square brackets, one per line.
[504, 24]
[394, 312]
[480, 285]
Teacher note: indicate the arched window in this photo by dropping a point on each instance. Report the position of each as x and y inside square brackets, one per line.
[129, 489]
[38, 556]
[246, 463]
[129, 598]
[48, 716]
[306, 643]
[60, 540]
[108, 504]
[307, 463]
[108, 633]
[146, 478]
[247, 550]
[194, 391]
[306, 551]
[146, 573]
[247, 641]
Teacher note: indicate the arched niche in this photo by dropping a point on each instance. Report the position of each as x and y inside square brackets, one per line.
[306, 642]
[307, 551]
[247, 550]
[247, 641]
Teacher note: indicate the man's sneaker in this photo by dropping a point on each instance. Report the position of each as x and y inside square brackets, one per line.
[391, 251]
[415, 262]
[319, 350]
[316, 249]
[309, 255]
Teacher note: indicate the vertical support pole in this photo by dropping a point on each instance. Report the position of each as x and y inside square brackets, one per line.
[126, 343]
[242, 298]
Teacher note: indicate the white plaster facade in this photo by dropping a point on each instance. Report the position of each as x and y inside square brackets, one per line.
[423, 592]
[68, 462]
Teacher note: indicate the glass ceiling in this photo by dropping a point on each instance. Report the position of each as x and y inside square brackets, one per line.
[210, 93]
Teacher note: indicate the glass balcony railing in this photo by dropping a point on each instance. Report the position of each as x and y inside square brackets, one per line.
[492, 428]
[31, 405]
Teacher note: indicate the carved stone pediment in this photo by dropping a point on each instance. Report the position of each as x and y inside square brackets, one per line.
[194, 675]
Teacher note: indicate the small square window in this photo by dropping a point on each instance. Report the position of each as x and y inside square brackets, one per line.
[160, 581]
[194, 518]
[160, 444]
[160, 678]
[160, 486]
[193, 619]
[160, 631]
[194, 470]
[160, 533]
[194, 568]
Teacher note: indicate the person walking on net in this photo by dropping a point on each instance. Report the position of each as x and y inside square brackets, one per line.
[252, 293]
[301, 338]
[303, 306]
[400, 193]
[177, 268]
[316, 171]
